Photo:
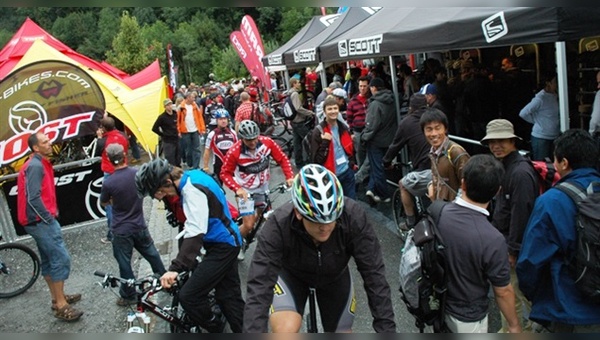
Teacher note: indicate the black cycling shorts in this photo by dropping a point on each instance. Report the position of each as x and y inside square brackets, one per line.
[336, 301]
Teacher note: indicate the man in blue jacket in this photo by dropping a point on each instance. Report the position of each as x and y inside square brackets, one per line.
[549, 243]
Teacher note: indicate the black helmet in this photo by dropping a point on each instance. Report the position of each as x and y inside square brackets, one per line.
[150, 176]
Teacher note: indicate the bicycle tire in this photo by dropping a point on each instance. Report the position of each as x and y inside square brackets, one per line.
[286, 145]
[22, 269]
[399, 213]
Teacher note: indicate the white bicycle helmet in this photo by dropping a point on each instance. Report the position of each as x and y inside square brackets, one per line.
[317, 194]
[248, 129]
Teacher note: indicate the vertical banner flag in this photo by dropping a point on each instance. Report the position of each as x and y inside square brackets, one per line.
[257, 50]
[172, 71]
[323, 11]
[238, 41]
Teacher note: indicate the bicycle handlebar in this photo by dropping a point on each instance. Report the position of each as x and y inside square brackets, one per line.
[109, 279]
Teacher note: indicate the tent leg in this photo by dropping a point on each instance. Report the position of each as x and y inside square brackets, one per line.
[561, 72]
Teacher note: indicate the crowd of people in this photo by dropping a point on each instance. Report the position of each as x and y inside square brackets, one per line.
[501, 233]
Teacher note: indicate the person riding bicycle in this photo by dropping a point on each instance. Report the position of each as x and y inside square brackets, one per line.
[208, 223]
[307, 243]
[218, 141]
[410, 134]
[246, 171]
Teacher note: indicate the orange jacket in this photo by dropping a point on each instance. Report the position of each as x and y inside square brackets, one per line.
[198, 118]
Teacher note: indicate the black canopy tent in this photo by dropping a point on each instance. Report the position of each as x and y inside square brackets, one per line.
[274, 60]
[394, 31]
[306, 53]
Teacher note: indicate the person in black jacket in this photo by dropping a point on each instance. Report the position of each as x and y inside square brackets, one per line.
[308, 243]
[165, 127]
[410, 134]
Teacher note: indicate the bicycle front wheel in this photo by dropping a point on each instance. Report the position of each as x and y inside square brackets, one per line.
[19, 269]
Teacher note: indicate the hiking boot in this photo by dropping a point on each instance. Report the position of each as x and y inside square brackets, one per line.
[216, 324]
[126, 302]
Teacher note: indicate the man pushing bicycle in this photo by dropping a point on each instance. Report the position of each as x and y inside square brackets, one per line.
[208, 223]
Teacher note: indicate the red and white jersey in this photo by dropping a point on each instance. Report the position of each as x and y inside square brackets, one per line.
[243, 168]
[220, 141]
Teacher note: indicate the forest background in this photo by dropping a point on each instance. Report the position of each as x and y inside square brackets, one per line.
[131, 38]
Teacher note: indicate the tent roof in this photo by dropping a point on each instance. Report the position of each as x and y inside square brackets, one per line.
[306, 53]
[412, 30]
[312, 28]
[30, 32]
[137, 109]
[145, 76]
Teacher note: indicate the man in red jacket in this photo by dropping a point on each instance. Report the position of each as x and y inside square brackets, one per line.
[37, 212]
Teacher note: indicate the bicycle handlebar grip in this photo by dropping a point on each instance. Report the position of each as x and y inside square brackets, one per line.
[99, 273]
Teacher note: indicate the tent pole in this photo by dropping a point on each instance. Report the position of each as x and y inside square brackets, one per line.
[323, 77]
[561, 72]
[395, 87]
[286, 75]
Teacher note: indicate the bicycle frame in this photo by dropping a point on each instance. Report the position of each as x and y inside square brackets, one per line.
[145, 289]
[265, 212]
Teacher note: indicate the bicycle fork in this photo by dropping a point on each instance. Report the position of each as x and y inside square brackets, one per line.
[311, 320]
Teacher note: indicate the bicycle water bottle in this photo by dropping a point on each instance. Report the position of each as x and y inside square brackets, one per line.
[130, 319]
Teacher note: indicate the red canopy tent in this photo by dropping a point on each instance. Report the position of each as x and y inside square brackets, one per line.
[145, 76]
[30, 32]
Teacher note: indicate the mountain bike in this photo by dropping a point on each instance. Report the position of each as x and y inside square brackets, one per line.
[262, 214]
[19, 269]
[146, 288]
[420, 202]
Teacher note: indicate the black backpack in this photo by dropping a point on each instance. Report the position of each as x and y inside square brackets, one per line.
[423, 277]
[585, 266]
[306, 142]
[289, 111]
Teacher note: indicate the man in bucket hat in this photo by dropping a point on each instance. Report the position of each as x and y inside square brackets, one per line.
[514, 201]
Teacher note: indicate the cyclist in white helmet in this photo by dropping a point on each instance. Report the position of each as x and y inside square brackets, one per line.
[307, 243]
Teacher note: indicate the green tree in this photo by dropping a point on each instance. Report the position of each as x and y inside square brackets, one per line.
[74, 28]
[129, 53]
[226, 64]
[294, 19]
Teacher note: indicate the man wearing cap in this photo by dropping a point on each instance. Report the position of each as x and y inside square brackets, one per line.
[378, 135]
[430, 91]
[514, 202]
[165, 127]
[128, 226]
[326, 92]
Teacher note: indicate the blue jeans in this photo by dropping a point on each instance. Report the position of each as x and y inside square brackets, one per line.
[377, 181]
[123, 246]
[191, 149]
[108, 211]
[348, 183]
[542, 148]
[56, 261]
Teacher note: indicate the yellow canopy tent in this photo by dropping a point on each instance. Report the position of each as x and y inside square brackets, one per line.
[137, 109]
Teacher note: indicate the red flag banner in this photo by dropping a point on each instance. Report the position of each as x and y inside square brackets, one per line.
[237, 40]
[255, 44]
[172, 71]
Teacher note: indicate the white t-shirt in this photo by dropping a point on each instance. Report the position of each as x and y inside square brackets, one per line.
[190, 123]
